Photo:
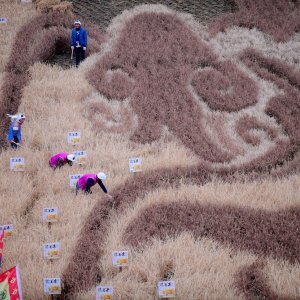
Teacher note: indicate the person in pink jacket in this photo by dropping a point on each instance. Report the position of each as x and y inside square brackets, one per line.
[86, 181]
[60, 159]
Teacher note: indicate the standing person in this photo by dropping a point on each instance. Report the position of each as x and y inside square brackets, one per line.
[78, 42]
[14, 134]
[85, 183]
[60, 159]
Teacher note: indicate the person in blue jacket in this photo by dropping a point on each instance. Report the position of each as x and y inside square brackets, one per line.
[14, 134]
[78, 42]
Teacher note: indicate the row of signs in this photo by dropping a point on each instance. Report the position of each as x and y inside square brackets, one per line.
[52, 286]
[166, 289]
[50, 215]
[17, 164]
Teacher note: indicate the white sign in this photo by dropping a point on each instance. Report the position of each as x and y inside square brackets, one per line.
[73, 179]
[50, 214]
[104, 292]
[81, 157]
[135, 164]
[52, 286]
[120, 258]
[3, 20]
[74, 137]
[8, 229]
[166, 289]
[17, 164]
[51, 250]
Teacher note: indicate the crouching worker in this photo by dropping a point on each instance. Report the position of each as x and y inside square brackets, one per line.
[60, 159]
[14, 133]
[85, 183]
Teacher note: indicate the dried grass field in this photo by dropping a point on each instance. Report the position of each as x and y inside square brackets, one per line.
[213, 110]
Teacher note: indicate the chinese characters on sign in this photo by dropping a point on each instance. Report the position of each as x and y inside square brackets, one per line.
[50, 214]
[8, 229]
[74, 137]
[120, 258]
[73, 179]
[166, 289]
[52, 286]
[80, 157]
[104, 292]
[17, 164]
[135, 164]
[51, 250]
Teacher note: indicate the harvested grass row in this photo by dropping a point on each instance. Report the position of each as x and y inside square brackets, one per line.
[149, 262]
[83, 270]
[263, 233]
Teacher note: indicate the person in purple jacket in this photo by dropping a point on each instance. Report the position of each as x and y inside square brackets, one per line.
[60, 159]
[86, 181]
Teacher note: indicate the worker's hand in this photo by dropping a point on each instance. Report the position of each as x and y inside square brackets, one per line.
[72, 47]
[84, 48]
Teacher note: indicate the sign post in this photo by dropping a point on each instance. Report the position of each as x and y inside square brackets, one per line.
[3, 20]
[17, 164]
[166, 289]
[73, 180]
[8, 229]
[81, 157]
[51, 251]
[104, 292]
[120, 259]
[74, 138]
[52, 286]
[135, 164]
[50, 215]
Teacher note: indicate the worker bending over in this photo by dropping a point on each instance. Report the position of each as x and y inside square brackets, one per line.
[60, 159]
[85, 183]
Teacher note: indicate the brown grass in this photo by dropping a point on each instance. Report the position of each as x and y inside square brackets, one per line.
[248, 123]
[253, 283]
[46, 6]
[158, 79]
[278, 18]
[79, 273]
[275, 234]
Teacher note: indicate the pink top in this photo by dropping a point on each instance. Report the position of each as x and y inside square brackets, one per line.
[82, 181]
[54, 159]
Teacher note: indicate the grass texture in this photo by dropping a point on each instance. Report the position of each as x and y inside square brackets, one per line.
[216, 207]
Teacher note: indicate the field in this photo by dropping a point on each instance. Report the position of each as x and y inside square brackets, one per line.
[213, 110]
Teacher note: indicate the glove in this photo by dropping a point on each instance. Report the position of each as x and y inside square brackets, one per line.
[72, 47]
[84, 48]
